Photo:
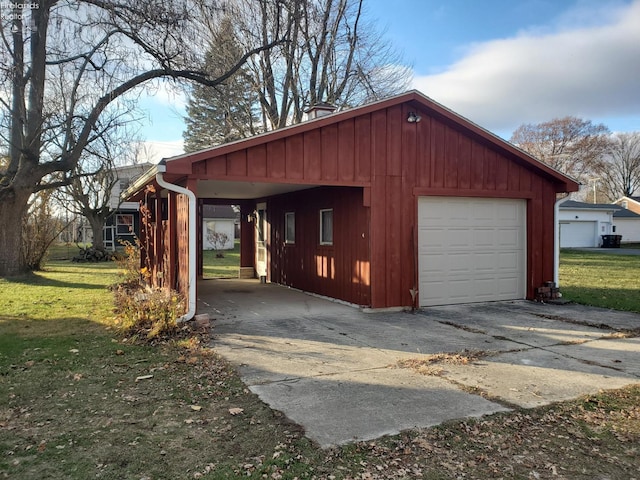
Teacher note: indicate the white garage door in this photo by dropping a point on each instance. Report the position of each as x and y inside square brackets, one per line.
[471, 249]
[577, 234]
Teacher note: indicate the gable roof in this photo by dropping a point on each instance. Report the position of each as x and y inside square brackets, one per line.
[182, 165]
[633, 199]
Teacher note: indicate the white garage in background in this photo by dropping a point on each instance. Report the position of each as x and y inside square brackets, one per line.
[218, 224]
[471, 249]
[582, 224]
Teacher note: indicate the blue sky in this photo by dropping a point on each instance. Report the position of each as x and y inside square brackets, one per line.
[500, 63]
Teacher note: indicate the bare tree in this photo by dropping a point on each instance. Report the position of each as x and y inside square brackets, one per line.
[332, 55]
[95, 182]
[619, 169]
[571, 145]
[40, 228]
[98, 52]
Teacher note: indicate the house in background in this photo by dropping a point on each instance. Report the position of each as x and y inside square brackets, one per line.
[630, 203]
[627, 224]
[218, 219]
[398, 203]
[124, 224]
[582, 224]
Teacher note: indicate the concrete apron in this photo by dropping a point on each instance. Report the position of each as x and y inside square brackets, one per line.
[334, 369]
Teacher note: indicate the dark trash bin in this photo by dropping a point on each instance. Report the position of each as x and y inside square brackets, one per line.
[611, 241]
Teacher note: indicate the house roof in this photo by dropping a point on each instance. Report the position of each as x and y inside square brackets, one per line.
[218, 211]
[182, 165]
[573, 205]
[634, 199]
[624, 213]
[618, 211]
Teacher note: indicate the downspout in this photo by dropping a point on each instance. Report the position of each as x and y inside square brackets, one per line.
[192, 239]
[556, 240]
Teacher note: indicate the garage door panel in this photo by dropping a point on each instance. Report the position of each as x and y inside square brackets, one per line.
[508, 237]
[472, 250]
[578, 234]
[484, 262]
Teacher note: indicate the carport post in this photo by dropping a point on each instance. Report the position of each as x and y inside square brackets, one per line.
[193, 216]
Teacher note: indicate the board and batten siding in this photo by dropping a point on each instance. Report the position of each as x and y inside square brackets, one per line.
[340, 270]
[394, 162]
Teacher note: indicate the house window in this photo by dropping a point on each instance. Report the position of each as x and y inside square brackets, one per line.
[124, 224]
[326, 227]
[290, 227]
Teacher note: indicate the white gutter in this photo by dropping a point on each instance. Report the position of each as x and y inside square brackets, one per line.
[556, 240]
[192, 239]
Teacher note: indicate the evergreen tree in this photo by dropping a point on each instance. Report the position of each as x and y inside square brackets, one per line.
[223, 113]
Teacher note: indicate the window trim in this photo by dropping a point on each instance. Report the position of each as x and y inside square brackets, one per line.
[287, 217]
[129, 226]
[322, 241]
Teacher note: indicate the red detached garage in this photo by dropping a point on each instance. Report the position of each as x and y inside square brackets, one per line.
[398, 203]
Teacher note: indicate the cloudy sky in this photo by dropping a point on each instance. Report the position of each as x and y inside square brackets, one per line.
[499, 63]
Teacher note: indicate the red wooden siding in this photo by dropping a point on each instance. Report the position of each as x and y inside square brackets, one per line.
[377, 164]
[340, 270]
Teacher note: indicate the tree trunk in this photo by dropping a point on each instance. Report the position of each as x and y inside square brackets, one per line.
[97, 227]
[13, 208]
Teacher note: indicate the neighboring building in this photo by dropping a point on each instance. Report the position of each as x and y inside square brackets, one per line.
[124, 224]
[583, 224]
[627, 224]
[630, 203]
[399, 203]
[218, 219]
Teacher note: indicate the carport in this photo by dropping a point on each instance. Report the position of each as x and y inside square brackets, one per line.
[367, 206]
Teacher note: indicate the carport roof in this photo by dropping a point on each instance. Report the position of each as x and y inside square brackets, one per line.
[181, 166]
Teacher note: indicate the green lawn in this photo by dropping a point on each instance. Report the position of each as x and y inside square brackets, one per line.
[78, 401]
[226, 267]
[603, 280]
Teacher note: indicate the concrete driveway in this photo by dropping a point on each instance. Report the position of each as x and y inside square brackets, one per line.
[333, 368]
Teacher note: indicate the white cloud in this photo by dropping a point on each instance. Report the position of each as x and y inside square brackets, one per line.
[589, 71]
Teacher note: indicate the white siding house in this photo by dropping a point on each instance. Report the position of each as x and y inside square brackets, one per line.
[218, 219]
[627, 224]
[583, 224]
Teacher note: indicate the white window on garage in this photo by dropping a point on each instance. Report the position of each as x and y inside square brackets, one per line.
[326, 226]
[290, 228]
[471, 250]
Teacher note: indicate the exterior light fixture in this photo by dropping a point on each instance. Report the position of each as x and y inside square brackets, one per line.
[413, 117]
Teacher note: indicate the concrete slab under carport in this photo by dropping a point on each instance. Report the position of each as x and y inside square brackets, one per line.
[333, 368]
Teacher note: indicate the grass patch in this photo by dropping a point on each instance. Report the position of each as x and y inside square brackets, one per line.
[602, 280]
[78, 401]
[225, 267]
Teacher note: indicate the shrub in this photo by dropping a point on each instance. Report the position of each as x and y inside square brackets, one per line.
[142, 310]
[148, 312]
